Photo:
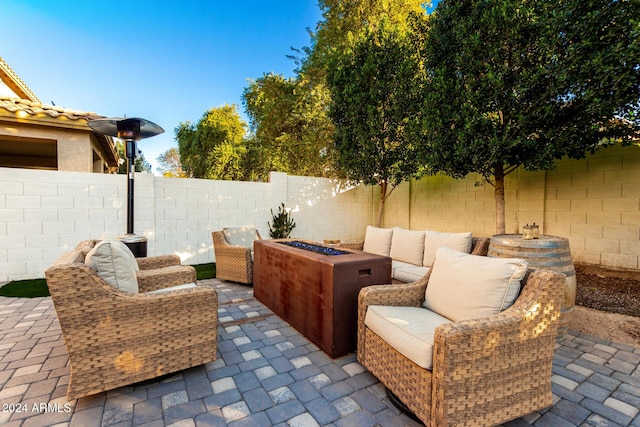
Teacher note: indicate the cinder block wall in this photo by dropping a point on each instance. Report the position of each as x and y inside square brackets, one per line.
[595, 202]
[46, 213]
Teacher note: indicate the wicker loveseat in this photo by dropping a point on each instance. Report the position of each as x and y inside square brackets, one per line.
[233, 249]
[116, 338]
[481, 371]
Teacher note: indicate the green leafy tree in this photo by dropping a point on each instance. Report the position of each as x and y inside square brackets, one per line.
[346, 21]
[289, 116]
[285, 118]
[522, 83]
[212, 147]
[169, 164]
[376, 91]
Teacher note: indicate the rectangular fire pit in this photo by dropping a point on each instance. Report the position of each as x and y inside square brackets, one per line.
[316, 293]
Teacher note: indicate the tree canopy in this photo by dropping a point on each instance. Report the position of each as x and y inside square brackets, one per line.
[522, 83]
[288, 125]
[376, 90]
[213, 147]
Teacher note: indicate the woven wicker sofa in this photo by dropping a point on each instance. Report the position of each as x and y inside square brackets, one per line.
[483, 370]
[233, 249]
[116, 338]
[413, 251]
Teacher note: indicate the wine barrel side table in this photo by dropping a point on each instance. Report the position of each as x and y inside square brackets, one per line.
[547, 252]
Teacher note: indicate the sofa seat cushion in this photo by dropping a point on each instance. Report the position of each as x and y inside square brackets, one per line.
[173, 288]
[399, 264]
[461, 242]
[407, 245]
[410, 330]
[464, 286]
[114, 265]
[241, 236]
[410, 274]
[377, 240]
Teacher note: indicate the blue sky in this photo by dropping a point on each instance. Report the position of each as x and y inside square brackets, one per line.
[165, 61]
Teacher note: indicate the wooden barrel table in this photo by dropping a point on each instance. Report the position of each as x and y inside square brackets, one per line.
[547, 252]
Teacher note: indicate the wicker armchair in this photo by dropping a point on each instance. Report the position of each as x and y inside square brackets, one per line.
[485, 371]
[115, 338]
[234, 262]
[156, 272]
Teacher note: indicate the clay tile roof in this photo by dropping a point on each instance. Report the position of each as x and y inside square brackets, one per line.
[14, 105]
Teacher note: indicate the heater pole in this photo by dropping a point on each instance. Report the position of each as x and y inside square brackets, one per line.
[131, 156]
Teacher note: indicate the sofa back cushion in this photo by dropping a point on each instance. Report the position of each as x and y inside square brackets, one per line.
[434, 239]
[407, 246]
[114, 265]
[378, 240]
[463, 286]
[241, 236]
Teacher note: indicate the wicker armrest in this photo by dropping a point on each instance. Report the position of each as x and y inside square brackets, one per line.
[498, 356]
[160, 261]
[480, 246]
[406, 294]
[160, 278]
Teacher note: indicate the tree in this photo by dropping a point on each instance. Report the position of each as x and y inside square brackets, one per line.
[207, 146]
[523, 83]
[346, 21]
[284, 117]
[170, 166]
[376, 100]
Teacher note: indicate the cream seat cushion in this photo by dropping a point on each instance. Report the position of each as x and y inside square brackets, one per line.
[461, 242]
[114, 265]
[407, 245]
[377, 240]
[464, 286]
[173, 288]
[410, 274]
[410, 330]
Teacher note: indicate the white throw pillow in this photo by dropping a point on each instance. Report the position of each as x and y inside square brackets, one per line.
[407, 245]
[434, 239]
[241, 236]
[378, 240]
[113, 265]
[463, 286]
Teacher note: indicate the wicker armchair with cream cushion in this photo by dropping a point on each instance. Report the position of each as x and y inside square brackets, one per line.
[155, 272]
[464, 345]
[233, 249]
[119, 330]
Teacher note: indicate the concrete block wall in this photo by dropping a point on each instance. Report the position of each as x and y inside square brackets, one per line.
[595, 202]
[46, 213]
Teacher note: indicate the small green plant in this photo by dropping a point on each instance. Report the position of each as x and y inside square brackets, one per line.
[283, 224]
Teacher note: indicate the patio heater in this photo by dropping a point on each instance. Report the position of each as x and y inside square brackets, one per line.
[130, 130]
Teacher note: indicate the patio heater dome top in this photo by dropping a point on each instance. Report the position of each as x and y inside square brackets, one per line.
[131, 128]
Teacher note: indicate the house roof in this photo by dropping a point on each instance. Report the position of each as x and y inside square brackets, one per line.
[24, 108]
[13, 82]
[32, 112]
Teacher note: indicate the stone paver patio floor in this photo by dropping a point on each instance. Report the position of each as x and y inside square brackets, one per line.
[267, 374]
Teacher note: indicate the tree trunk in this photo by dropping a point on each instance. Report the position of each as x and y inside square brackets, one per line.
[383, 198]
[499, 195]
